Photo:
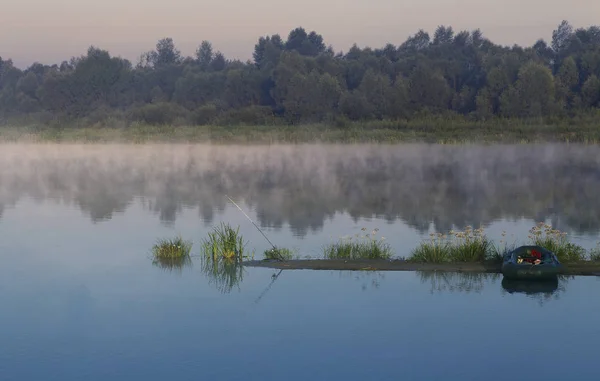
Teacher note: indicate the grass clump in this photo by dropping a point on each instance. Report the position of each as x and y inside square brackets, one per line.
[360, 246]
[224, 242]
[172, 254]
[595, 253]
[470, 245]
[436, 250]
[223, 252]
[279, 254]
[497, 252]
[171, 248]
[556, 241]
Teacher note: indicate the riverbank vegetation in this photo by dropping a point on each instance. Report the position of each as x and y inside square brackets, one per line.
[360, 246]
[225, 253]
[453, 85]
[472, 245]
[454, 129]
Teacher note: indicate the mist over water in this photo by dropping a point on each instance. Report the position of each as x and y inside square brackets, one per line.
[303, 185]
[84, 299]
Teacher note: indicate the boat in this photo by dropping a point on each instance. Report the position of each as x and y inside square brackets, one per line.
[531, 263]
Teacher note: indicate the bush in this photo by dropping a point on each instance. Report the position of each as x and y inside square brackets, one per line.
[161, 113]
[204, 115]
[252, 115]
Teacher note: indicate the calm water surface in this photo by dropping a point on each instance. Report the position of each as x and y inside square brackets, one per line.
[82, 300]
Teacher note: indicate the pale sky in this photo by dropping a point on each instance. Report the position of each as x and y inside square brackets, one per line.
[50, 31]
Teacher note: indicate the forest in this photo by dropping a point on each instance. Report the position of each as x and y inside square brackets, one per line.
[301, 80]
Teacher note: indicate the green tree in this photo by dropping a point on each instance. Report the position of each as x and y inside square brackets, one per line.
[533, 93]
[165, 54]
[204, 55]
[429, 89]
[590, 92]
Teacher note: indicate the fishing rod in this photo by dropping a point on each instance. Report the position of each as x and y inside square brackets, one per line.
[250, 219]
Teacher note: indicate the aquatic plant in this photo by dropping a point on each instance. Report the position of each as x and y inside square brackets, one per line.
[171, 254]
[222, 254]
[470, 245]
[176, 248]
[279, 254]
[556, 241]
[359, 246]
[224, 242]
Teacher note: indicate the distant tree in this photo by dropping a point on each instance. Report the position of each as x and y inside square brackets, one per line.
[302, 79]
[165, 53]
[204, 55]
[267, 51]
[561, 36]
[590, 92]
[419, 41]
[533, 93]
[218, 62]
[429, 89]
[443, 35]
[306, 44]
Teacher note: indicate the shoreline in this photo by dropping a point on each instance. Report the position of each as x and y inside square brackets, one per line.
[431, 132]
[581, 268]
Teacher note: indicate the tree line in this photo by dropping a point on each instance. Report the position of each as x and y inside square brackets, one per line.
[302, 80]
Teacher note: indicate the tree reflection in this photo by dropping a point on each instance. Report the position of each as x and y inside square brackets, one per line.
[304, 185]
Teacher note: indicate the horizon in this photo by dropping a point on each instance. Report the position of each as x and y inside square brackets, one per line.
[74, 27]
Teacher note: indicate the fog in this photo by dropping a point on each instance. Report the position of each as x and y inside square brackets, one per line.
[303, 185]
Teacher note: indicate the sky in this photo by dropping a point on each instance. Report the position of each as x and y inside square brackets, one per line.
[50, 31]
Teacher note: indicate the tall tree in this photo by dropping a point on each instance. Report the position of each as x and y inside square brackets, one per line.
[204, 55]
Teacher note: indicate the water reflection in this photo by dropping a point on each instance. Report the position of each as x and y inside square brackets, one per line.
[442, 281]
[222, 273]
[541, 291]
[306, 184]
[274, 277]
[172, 264]
[465, 282]
[367, 278]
